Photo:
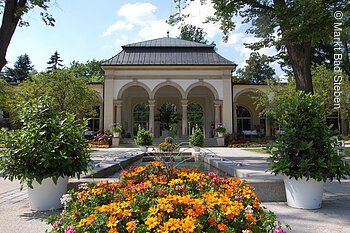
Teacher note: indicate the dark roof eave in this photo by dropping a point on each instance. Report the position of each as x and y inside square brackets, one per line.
[136, 65]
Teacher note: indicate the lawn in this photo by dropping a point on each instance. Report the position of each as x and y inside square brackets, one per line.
[262, 150]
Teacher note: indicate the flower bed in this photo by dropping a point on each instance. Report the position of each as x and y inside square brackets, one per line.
[167, 146]
[248, 143]
[153, 198]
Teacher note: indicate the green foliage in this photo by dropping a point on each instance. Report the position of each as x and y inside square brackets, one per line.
[168, 115]
[197, 138]
[117, 129]
[91, 71]
[70, 94]
[193, 33]
[306, 148]
[54, 62]
[169, 139]
[49, 144]
[144, 138]
[220, 129]
[257, 70]
[21, 71]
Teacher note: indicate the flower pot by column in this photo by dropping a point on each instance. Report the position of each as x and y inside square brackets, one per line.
[220, 135]
[47, 195]
[303, 194]
[220, 141]
[116, 135]
[115, 142]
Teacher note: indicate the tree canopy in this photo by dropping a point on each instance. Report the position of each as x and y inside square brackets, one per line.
[21, 71]
[54, 62]
[12, 16]
[70, 94]
[294, 27]
[257, 70]
[90, 71]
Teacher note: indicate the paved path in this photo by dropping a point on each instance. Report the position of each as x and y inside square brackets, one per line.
[334, 216]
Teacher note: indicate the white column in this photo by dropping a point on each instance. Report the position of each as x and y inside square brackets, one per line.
[108, 104]
[227, 102]
[235, 126]
[118, 120]
[184, 118]
[151, 104]
[217, 105]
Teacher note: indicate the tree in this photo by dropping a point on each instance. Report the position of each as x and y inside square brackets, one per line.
[54, 62]
[91, 71]
[70, 94]
[21, 71]
[256, 71]
[292, 26]
[12, 12]
[193, 33]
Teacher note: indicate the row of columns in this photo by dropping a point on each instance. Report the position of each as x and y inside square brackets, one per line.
[184, 105]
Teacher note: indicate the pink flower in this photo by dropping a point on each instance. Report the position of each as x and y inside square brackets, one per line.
[63, 213]
[280, 230]
[56, 224]
[69, 229]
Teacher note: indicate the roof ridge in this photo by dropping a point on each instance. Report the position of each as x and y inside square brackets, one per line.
[168, 42]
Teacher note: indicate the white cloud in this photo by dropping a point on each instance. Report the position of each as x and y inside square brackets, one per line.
[138, 13]
[157, 29]
[198, 13]
[119, 25]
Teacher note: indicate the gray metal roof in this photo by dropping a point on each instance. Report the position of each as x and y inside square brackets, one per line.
[167, 51]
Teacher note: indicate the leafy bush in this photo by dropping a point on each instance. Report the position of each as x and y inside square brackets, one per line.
[197, 138]
[152, 198]
[49, 144]
[307, 146]
[220, 130]
[144, 138]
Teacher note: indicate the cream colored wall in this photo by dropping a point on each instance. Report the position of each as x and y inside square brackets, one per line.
[215, 78]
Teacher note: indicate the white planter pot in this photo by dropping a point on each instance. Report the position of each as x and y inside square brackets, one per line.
[303, 194]
[47, 195]
[220, 135]
[220, 141]
[116, 135]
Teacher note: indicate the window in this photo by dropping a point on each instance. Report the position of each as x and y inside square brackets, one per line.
[94, 121]
[140, 117]
[243, 119]
[194, 117]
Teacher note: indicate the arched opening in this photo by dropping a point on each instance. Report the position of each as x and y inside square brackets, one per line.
[194, 117]
[140, 117]
[94, 120]
[201, 98]
[167, 98]
[244, 119]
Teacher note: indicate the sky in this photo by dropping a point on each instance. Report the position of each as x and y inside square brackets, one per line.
[91, 29]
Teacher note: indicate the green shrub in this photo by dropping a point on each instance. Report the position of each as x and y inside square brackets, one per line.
[49, 144]
[197, 138]
[307, 146]
[144, 138]
[220, 130]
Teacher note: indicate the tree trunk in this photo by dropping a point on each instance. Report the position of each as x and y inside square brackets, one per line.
[10, 20]
[300, 56]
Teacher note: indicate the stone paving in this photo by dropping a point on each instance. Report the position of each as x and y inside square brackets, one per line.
[334, 216]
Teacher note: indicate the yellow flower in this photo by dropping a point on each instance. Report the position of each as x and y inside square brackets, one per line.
[112, 222]
[113, 230]
[82, 222]
[152, 222]
[188, 224]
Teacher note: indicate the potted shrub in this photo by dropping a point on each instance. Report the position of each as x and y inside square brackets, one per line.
[220, 131]
[44, 152]
[197, 139]
[305, 153]
[144, 139]
[116, 130]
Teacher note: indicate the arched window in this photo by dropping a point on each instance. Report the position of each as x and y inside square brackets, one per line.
[140, 117]
[194, 117]
[243, 119]
[94, 121]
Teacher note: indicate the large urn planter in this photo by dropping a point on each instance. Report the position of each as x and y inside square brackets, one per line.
[220, 141]
[46, 196]
[302, 193]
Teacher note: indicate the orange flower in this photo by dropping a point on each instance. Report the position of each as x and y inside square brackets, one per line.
[152, 222]
[188, 224]
[113, 230]
[91, 218]
[130, 226]
[112, 222]
[222, 227]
